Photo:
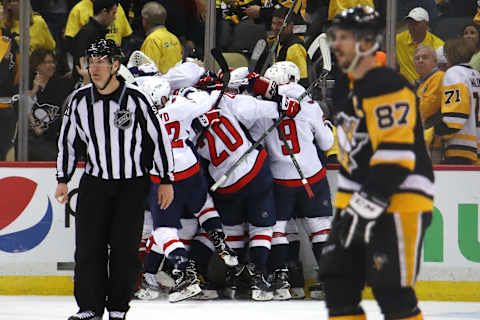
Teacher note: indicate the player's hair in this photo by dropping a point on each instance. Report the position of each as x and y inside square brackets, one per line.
[154, 13]
[430, 49]
[99, 5]
[282, 13]
[458, 51]
[38, 56]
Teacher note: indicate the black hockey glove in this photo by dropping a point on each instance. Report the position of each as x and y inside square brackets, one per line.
[359, 217]
[205, 120]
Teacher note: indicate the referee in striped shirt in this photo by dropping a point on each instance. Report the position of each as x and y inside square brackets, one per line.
[124, 139]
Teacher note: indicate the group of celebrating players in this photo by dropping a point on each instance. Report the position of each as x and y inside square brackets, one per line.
[213, 125]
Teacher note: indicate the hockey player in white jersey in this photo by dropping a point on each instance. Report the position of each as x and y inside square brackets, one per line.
[190, 187]
[460, 106]
[246, 196]
[291, 200]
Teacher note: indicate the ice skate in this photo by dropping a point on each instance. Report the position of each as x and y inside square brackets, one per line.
[186, 285]
[280, 285]
[259, 286]
[150, 289]
[208, 292]
[296, 279]
[222, 249]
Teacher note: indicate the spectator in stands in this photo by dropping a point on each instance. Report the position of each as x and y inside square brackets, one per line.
[429, 90]
[104, 13]
[55, 13]
[48, 92]
[407, 41]
[160, 45]
[291, 47]
[317, 18]
[8, 87]
[405, 6]
[264, 13]
[472, 34]
[40, 36]
[80, 15]
[459, 104]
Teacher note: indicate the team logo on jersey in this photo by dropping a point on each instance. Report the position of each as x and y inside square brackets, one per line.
[350, 140]
[123, 119]
[379, 260]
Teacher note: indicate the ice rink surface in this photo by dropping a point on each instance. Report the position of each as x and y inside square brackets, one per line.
[61, 307]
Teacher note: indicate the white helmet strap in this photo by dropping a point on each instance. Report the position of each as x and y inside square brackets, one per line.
[359, 54]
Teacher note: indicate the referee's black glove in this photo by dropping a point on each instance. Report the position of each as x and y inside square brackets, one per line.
[359, 217]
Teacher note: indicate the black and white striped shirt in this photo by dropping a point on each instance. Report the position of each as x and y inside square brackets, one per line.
[121, 132]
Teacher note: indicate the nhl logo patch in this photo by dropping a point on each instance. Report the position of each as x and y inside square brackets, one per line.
[123, 119]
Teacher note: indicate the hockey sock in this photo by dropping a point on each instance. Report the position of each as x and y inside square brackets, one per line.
[241, 254]
[397, 303]
[278, 257]
[212, 224]
[142, 251]
[294, 250]
[259, 255]
[152, 262]
[343, 297]
[317, 250]
[201, 254]
[178, 258]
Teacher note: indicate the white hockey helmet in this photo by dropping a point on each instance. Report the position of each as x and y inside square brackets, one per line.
[157, 88]
[283, 72]
[238, 77]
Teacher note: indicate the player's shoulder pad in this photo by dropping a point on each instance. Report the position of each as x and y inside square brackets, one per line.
[137, 92]
[381, 81]
[454, 74]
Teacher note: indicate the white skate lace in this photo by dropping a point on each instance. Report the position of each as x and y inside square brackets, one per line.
[85, 314]
[116, 314]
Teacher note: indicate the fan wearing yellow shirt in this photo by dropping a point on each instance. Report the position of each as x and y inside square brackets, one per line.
[162, 46]
[291, 47]
[81, 13]
[429, 93]
[407, 41]
[40, 36]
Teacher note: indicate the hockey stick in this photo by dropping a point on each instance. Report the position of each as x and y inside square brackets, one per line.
[305, 183]
[138, 58]
[273, 51]
[260, 140]
[222, 63]
[320, 43]
[257, 59]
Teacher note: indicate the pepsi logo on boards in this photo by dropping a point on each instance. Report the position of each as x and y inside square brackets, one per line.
[26, 214]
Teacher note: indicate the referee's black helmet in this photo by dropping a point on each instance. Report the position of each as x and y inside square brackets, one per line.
[104, 48]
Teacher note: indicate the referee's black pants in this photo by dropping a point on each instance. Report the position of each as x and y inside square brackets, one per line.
[108, 229]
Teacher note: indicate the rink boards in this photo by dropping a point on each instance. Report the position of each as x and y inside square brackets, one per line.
[37, 234]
